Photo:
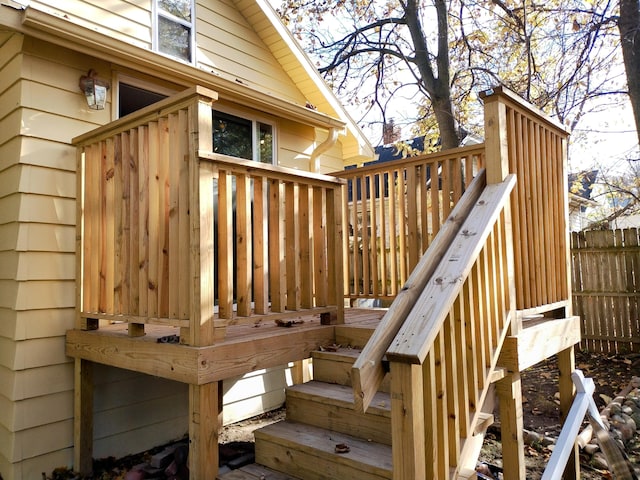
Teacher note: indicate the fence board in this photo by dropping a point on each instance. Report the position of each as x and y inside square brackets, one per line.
[606, 265]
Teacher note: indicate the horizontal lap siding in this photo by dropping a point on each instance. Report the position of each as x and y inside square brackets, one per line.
[37, 272]
[128, 21]
[228, 45]
[37, 265]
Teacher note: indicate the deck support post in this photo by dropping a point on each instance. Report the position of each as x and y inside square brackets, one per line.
[83, 417]
[566, 365]
[509, 391]
[407, 422]
[205, 420]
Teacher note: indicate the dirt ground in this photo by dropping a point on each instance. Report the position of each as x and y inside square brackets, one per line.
[611, 374]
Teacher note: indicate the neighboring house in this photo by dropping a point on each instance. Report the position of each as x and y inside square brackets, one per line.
[271, 100]
[580, 188]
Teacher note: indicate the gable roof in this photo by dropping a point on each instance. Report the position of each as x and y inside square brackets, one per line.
[267, 24]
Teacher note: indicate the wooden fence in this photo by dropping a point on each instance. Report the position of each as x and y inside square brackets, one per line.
[606, 288]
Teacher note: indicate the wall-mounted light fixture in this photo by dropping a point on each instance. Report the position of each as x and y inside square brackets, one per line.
[94, 89]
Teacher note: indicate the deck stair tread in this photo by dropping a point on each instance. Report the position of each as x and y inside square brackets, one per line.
[356, 335]
[334, 366]
[339, 354]
[331, 406]
[485, 420]
[309, 452]
[339, 395]
[255, 472]
[466, 474]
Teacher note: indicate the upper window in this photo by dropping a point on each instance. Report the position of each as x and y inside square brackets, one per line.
[174, 32]
[242, 137]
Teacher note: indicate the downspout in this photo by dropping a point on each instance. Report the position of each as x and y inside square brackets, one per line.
[330, 141]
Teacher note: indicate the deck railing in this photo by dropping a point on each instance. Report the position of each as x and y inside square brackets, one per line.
[393, 210]
[533, 146]
[443, 357]
[172, 234]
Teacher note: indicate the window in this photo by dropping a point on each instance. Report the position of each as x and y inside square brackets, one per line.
[173, 28]
[134, 93]
[132, 98]
[242, 137]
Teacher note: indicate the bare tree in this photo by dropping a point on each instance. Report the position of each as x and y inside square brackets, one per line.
[384, 40]
[629, 26]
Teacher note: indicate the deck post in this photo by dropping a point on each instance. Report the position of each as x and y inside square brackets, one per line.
[509, 391]
[496, 140]
[83, 417]
[205, 419]
[334, 257]
[407, 421]
[566, 365]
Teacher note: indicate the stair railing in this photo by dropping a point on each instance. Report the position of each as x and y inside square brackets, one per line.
[368, 370]
[443, 356]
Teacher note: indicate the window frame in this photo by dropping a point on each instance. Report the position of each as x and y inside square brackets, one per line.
[158, 12]
[256, 120]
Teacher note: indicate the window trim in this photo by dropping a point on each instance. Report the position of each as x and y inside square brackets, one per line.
[156, 13]
[255, 119]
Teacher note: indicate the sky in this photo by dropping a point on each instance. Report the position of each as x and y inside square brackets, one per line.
[603, 139]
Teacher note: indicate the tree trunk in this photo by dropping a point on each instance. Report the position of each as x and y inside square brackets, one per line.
[443, 110]
[629, 26]
[435, 82]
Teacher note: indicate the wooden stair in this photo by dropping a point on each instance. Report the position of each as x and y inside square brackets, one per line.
[321, 416]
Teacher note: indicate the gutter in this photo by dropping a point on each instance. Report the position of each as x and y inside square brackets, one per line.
[330, 141]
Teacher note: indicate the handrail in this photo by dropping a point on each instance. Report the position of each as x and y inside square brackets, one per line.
[415, 337]
[443, 357]
[367, 372]
[152, 112]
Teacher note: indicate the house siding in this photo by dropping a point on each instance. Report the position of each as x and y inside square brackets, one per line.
[41, 110]
[227, 44]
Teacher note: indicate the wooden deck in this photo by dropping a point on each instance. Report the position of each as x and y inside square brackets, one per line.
[244, 349]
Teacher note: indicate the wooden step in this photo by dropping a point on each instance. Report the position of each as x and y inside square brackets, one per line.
[355, 335]
[255, 472]
[335, 367]
[331, 407]
[308, 452]
[485, 420]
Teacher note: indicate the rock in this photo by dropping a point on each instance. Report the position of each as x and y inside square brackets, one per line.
[531, 438]
[615, 408]
[135, 475]
[241, 461]
[591, 448]
[624, 425]
[162, 459]
[599, 461]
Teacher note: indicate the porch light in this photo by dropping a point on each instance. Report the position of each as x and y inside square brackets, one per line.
[94, 89]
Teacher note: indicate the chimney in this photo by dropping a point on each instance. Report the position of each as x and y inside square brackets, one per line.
[390, 133]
